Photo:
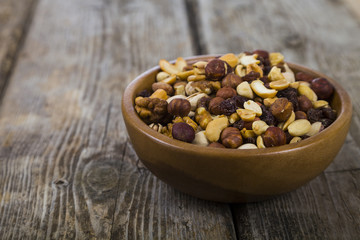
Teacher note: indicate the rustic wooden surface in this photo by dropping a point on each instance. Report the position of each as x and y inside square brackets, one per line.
[66, 167]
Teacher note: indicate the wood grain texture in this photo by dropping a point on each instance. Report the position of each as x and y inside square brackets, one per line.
[322, 35]
[15, 18]
[67, 170]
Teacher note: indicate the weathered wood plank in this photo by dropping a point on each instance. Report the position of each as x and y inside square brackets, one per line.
[15, 18]
[67, 170]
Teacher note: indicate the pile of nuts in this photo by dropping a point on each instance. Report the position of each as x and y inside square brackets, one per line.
[250, 100]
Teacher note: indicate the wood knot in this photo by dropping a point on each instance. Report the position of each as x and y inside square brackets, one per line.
[102, 178]
[60, 183]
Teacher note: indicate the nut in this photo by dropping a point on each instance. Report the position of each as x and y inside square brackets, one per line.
[200, 86]
[162, 76]
[276, 58]
[260, 142]
[262, 53]
[214, 128]
[194, 98]
[183, 132]
[295, 140]
[246, 114]
[194, 78]
[308, 92]
[160, 93]
[288, 121]
[299, 127]
[246, 133]
[161, 85]
[180, 64]
[301, 76]
[226, 92]
[151, 110]
[279, 84]
[275, 74]
[281, 109]
[187, 120]
[214, 105]
[251, 105]
[294, 85]
[203, 117]
[258, 87]
[185, 74]
[300, 115]
[316, 127]
[289, 74]
[231, 137]
[231, 80]
[304, 103]
[179, 107]
[253, 67]
[168, 67]
[175, 97]
[240, 70]
[180, 88]
[200, 65]
[268, 101]
[322, 87]
[244, 89]
[259, 127]
[216, 145]
[249, 59]
[320, 104]
[234, 118]
[216, 69]
[274, 136]
[248, 146]
[230, 58]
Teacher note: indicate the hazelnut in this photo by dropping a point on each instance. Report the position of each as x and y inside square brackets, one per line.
[301, 76]
[216, 145]
[304, 103]
[183, 132]
[274, 136]
[231, 137]
[214, 105]
[216, 69]
[262, 53]
[231, 80]
[300, 115]
[322, 87]
[165, 86]
[226, 92]
[281, 109]
[179, 107]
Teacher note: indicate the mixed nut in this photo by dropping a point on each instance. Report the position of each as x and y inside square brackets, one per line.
[245, 101]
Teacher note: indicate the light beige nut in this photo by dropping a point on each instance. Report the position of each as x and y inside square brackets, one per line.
[198, 71]
[161, 85]
[295, 140]
[247, 133]
[240, 70]
[169, 80]
[160, 93]
[294, 85]
[193, 78]
[233, 118]
[203, 117]
[304, 83]
[308, 92]
[194, 98]
[260, 142]
[268, 101]
[289, 74]
[276, 58]
[168, 67]
[249, 59]
[251, 105]
[288, 121]
[199, 86]
[244, 89]
[179, 88]
[320, 104]
[230, 58]
[275, 74]
[299, 127]
[214, 128]
[279, 84]
[253, 67]
[246, 114]
[180, 64]
[259, 127]
[184, 75]
[200, 64]
[200, 139]
[316, 127]
[258, 87]
[248, 146]
[162, 76]
[175, 97]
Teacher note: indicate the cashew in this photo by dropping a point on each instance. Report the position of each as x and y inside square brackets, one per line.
[246, 114]
[315, 128]
[259, 127]
[279, 84]
[162, 76]
[160, 93]
[295, 140]
[194, 98]
[184, 75]
[230, 58]
[180, 64]
[246, 60]
[260, 142]
[276, 58]
[251, 105]
[308, 92]
[288, 121]
[168, 67]
[200, 139]
[240, 70]
[244, 89]
[248, 146]
[258, 87]
[275, 74]
[214, 128]
[289, 74]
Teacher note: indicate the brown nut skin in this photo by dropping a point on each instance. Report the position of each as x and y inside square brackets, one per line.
[304, 103]
[226, 92]
[262, 53]
[231, 80]
[216, 69]
[322, 87]
[281, 109]
[216, 145]
[183, 132]
[274, 136]
[203, 102]
[301, 76]
[165, 86]
[231, 137]
[179, 107]
[214, 105]
[300, 115]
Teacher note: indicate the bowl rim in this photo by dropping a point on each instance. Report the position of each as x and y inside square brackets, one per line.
[129, 112]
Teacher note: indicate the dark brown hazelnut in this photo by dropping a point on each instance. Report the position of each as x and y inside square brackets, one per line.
[203, 102]
[165, 86]
[231, 80]
[216, 145]
[214, 105]
[226, 92]
[304, 103]
[183, 132]
[179, 107]
[231, 137]
[274, 136]
[301, 76]
[216, 69]
[322, 87]
[300, 115]
[262, 53]
[281, 109]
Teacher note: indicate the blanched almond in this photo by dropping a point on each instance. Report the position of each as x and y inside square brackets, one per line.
[244, 89]
[258, 87]
[251, 105]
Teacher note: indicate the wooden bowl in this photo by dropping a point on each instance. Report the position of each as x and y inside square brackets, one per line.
[233, 175]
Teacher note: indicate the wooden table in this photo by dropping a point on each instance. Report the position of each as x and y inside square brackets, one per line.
[67, 169]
